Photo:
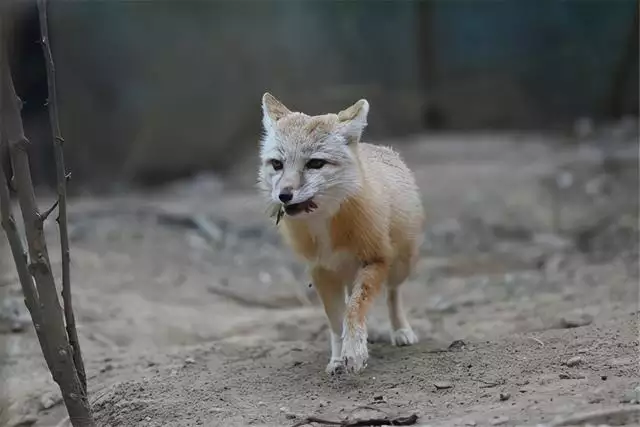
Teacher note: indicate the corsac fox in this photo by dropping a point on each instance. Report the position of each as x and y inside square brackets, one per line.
[351, 210]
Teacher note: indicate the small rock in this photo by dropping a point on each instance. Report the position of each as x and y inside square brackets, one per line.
[596, 399]
[505, 396]
[574, 361]
[471, 423]
[17, 327]
[499, 420]
[147, 419]
[603, 377]
[576, 320]
[48, 401]
[189, 360]
[378, 398]
[457, 345]
[287, 413]
[442, 385]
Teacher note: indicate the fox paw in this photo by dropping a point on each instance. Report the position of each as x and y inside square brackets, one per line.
[403, 337]
[335, 367]
[355, 353]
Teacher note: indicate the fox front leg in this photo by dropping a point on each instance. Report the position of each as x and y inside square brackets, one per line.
[354, 342]
[332, 293]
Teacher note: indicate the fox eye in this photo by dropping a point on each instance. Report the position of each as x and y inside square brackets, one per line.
[316, 163]
[277, 164]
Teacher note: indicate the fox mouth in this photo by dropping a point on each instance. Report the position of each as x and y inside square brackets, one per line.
[296, 208]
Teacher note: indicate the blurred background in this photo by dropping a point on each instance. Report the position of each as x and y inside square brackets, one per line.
[153, 90]
[519, 119]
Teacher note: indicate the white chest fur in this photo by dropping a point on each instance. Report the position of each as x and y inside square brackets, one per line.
[326, 257]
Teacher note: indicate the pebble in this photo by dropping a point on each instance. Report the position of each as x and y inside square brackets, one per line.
[442, 385]
[287, 413]
[457, 345]
[106, 368]
[189, 360]
[576, 320]
[48, 401]
[499, 420]
[574, 361]
[505, 396]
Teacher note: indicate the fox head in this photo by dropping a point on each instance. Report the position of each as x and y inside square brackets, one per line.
[309, 164]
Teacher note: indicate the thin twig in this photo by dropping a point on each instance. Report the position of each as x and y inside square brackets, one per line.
[537, 340]
[61, 177]
[246, 300]
[48, 212]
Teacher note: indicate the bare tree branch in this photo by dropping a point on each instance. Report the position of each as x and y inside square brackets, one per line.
[61, 177]
[20, 257]
[49, 211]
[52, 335]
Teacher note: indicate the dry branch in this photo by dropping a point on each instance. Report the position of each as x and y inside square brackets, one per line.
[19, 256]
[362, 422]
[61, 178]
[41, 299]
[384, 420]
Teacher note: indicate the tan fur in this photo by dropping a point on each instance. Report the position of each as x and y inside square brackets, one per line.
[373, 236]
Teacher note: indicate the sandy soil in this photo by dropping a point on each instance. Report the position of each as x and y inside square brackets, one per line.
[191, 311]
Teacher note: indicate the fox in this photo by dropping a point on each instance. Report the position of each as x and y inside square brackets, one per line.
[351, 210]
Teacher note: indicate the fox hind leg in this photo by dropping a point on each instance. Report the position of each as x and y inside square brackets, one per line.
[401, 332]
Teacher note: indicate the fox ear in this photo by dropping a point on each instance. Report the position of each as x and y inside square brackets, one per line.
[272, 110]
[353, 120]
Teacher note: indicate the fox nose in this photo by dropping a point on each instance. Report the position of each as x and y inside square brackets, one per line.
[285, 196]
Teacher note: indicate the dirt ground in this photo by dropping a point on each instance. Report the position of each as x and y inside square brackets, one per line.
[191, 312]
